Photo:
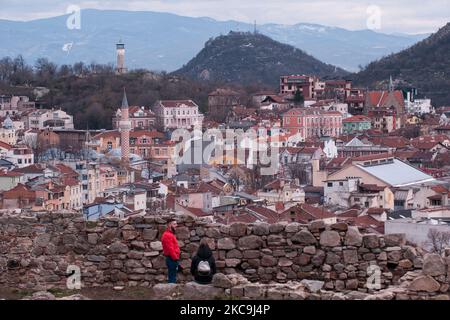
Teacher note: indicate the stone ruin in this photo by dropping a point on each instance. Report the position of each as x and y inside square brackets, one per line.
[254, 261]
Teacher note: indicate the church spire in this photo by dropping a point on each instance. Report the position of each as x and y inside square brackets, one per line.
[391, 84]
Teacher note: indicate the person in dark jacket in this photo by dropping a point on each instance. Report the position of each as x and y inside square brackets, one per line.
[203, 265]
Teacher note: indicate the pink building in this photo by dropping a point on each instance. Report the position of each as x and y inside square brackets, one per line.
[312, 122]
[307, 85]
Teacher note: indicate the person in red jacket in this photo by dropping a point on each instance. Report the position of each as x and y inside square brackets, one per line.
[171, 250]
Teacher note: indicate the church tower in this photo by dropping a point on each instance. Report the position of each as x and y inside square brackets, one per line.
[125, 126]
[120, 49]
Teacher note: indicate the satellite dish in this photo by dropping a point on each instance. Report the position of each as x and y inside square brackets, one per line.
[228, 189]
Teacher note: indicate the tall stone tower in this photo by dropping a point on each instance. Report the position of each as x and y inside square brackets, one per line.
[120, 49]
[125, 126]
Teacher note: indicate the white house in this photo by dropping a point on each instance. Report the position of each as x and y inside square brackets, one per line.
[174, 114]
[45, 118]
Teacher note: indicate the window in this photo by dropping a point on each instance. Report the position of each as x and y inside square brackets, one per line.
[330, 184]
[341, 184]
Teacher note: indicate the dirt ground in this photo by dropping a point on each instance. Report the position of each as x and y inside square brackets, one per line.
[100, 293]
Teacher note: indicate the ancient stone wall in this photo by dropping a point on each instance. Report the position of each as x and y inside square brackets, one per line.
[35, 252]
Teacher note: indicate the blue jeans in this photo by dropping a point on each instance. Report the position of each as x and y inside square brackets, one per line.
[172, 266]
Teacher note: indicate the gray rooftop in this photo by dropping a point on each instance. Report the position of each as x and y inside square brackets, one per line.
[397, 173]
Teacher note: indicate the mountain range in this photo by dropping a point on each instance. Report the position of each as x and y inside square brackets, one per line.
[163, 41]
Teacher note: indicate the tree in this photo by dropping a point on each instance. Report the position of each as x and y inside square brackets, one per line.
[46, 70]
[299, 171]
[298, 98]
[438, 240]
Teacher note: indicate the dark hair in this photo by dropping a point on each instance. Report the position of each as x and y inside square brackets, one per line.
[204, 251]
[171, 220]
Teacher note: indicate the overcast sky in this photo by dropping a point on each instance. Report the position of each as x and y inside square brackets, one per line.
[408, 16]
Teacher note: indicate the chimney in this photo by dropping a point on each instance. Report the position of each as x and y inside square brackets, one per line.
[445, 199]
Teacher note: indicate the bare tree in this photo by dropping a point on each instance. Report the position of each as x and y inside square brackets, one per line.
[298, 171]
[438, 240]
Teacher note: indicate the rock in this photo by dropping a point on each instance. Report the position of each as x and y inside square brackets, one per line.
[292, 227]
[394, 256]
[443, 297]
[330, 239]
[302, 260]
[424, 283]
[95, 258]
[309, 250]
[350, 256]
[395, 239]
[340, 226]
[277, 227]
[434, 265]
[131, 263]
[316, 226]
[225, 244]
[268, 261]
[195, 291]
[251, 254]
[92, 238]
[405, 264]
[42, 240]
[182, 233]
[356, 295]
[238, 229]
[149, 234]
[332, 258]
[284, 262]
[304, 237]
[118, 247]
[129, 235]
[156, 245]
[313, 285]
[110, 235]
[353, 237]
[318, 258]
[234, 253]
[41, 295]
[253, 291]
[74, 297]
[139, 245]
[165, 290]
[250, 242]
[221, 281]
[410, 253]
[135, 254]
[351, 284]
[261, 229]
[371, 241]
[118, 288]
[232, 262]
[275, 240]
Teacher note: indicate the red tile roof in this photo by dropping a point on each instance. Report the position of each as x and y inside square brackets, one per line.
[372, 157]
[358, 118]
[177, 103]
[379, 98]
[269, 216]
[6, 146]
[11, 174]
